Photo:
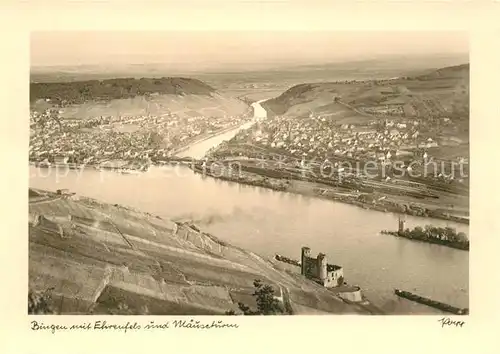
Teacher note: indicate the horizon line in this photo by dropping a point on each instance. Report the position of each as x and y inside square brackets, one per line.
[261, 63]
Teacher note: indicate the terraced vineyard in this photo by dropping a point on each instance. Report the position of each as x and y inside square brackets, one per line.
[104, 259]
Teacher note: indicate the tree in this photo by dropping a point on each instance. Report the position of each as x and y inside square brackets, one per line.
[418, 232]
[267, 304]
[462, 237]
[39, 303]
[429, 231]
[450, 234]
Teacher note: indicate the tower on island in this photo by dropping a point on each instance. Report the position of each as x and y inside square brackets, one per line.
[401, 225]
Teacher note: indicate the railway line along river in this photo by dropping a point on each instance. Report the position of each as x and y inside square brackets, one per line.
[268, 222]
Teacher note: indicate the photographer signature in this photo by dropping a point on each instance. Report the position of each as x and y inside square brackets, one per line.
[448, 322]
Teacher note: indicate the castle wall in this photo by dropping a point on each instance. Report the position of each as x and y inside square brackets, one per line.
[353, 296]
[334, 278]
[311, 266]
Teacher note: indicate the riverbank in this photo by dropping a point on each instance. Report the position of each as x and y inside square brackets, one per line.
[275, 181]
[313, 189]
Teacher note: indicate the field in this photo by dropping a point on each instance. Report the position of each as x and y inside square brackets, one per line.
[417, 96]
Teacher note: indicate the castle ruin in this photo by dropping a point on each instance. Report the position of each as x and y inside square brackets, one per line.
[318, 269]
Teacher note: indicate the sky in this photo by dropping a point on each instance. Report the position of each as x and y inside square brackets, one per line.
[218, 49]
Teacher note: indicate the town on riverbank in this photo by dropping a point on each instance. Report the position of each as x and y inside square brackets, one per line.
[381, 144]
[143, 126]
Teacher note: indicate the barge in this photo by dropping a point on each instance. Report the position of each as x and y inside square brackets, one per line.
[432, 303]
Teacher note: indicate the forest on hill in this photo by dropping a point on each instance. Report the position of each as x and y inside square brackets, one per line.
[77, 92]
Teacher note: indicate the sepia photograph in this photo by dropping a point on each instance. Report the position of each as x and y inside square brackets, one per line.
[248, 173]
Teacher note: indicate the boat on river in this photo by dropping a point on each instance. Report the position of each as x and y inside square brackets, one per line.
[432, 303]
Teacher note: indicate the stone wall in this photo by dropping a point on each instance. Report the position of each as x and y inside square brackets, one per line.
[353, 296]
[335, 277]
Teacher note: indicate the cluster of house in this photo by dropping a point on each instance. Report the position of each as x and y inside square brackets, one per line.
[316, 137]
[124, 137]
[86, 147]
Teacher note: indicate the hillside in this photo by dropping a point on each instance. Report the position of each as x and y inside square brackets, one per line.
[115, 98]
[104, 259]
[437, 93]
[457, 71]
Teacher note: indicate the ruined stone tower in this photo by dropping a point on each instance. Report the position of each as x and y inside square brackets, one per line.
[306, 253]
[322, 265]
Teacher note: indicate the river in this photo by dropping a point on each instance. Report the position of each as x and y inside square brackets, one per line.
[197, 151]
[269, 222]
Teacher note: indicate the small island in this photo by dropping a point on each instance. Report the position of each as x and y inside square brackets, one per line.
[446, 236]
